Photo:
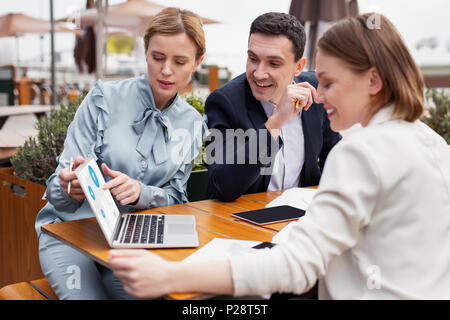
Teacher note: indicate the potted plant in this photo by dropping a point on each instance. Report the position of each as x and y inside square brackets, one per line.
[20, 201]
[198, 181]
[21, 191]
[438, 112]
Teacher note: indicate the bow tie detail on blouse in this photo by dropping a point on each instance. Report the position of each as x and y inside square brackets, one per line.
[155, 130]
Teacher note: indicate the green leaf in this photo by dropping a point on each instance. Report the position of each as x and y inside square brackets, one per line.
[437, 116]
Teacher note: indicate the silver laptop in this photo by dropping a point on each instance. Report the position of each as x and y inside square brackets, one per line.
[130, 230]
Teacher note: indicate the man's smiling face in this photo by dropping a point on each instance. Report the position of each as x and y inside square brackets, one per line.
[270, 66]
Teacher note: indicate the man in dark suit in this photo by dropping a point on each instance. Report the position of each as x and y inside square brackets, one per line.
[267, 132]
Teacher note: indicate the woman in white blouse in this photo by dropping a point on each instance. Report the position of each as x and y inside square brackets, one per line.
[378, 227]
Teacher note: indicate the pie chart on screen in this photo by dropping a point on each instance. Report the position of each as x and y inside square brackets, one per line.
[94, 176]
[91, 192]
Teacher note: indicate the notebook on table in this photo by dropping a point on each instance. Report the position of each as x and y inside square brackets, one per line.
[131, 230]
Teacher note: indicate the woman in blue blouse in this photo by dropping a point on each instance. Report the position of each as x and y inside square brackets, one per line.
[144, 136]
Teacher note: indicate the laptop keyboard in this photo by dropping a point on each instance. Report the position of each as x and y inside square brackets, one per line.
[143, 228]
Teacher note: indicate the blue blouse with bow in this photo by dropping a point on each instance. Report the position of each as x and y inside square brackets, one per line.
[119, 124]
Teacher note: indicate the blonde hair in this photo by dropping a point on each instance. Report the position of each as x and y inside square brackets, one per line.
[371, 40]
[175, 20]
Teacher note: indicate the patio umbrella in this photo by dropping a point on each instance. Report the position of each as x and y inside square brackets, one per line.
[132, 15]
[320, 13]
[17, 24]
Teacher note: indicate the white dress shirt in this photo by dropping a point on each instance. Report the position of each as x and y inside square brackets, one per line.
[378, 227]
[291, 156]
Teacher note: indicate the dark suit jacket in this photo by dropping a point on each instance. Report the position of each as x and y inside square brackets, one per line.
[232, 107]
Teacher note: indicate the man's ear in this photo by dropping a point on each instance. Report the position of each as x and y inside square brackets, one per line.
[300, 64]
[375, 82]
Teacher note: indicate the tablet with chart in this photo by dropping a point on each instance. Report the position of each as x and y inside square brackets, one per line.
[101, 201]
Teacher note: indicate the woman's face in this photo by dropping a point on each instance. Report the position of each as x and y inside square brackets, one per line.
[171, 61]
[344, 93]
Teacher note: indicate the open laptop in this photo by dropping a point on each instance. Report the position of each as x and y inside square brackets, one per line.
[130, 230]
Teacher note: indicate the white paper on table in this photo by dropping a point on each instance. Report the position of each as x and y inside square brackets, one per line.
[219, 249]
[295, 197]
[283, 234]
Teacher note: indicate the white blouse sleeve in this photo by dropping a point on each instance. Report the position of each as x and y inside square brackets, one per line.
[343, 205]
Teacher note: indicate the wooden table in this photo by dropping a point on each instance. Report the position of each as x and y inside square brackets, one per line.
[213, 219]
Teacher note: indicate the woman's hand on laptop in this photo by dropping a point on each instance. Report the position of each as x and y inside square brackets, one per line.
[123, 188]
[67, 176]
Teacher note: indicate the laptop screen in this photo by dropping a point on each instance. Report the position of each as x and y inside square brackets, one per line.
[101, 201]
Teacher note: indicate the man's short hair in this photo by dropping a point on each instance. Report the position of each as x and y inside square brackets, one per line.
[278, 23]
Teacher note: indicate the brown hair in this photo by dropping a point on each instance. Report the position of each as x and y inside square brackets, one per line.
[278, 23]
[371, 40]
[175, 20]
